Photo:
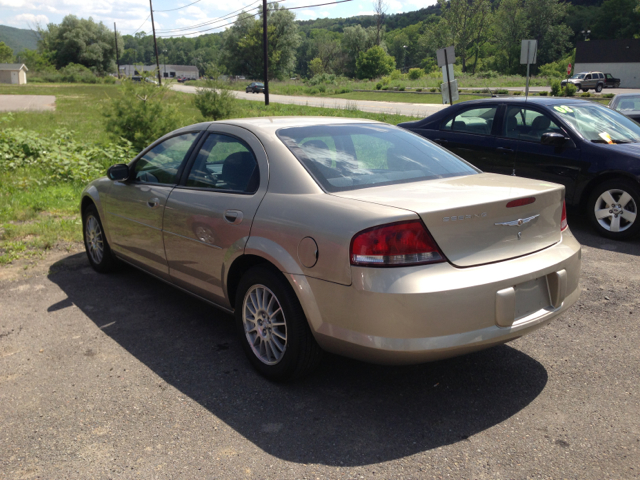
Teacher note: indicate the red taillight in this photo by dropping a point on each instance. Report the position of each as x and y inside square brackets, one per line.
[395, 244]
[563, 219]
[520, 202]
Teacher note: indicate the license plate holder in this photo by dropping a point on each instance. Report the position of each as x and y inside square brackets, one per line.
[531, 297]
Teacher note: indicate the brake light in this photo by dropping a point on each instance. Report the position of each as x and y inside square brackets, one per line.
[563, 219]
[520, 202]
[395, 244]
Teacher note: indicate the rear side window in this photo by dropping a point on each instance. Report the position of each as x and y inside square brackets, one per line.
[225, 163]
[348, 157]
[475, 120]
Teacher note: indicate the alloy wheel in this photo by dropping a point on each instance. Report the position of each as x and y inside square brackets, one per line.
[264, 324]
[94, 239]
[615, 210]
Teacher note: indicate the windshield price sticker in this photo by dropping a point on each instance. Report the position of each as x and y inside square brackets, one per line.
[563, 109]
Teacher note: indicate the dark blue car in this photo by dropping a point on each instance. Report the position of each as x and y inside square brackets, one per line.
[590, 149]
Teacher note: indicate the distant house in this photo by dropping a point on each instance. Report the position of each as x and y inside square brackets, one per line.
[620, 58]
[15, 73]
[166, 71]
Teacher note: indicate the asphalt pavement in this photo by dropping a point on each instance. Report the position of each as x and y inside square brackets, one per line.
[399, 108]
[123, 376]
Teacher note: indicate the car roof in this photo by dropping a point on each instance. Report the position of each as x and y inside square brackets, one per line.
[271, 124]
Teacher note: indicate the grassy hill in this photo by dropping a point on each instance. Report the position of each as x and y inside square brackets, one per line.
[18, 38]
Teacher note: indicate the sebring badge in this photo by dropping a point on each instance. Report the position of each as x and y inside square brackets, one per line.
[517, 223]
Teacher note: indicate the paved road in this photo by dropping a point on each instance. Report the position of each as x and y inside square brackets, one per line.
[121, 376]
[419, 110]
[15, 103]
[616, 91]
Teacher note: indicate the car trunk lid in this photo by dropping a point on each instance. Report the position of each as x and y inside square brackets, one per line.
[469, 218]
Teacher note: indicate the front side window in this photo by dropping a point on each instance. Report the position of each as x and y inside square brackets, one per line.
[599, 124]
[225, 163]
[609, 76]
[161, 163]
[529, 125]
[348, 157]
[475, 120]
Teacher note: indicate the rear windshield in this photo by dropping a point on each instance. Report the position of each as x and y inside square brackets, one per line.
[348, 157]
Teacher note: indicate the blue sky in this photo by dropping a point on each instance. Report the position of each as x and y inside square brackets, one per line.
[131, 15]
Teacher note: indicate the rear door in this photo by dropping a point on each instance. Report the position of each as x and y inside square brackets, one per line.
[209, 215]
[470, 134]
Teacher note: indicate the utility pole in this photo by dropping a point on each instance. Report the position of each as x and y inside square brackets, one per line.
[155, 43]
[115, 32]
[265, 50]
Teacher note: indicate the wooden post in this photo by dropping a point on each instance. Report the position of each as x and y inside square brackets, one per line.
[155, 44]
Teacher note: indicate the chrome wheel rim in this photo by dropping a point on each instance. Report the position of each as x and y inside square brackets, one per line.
[615, 210]
[93, 239]
[264, 324]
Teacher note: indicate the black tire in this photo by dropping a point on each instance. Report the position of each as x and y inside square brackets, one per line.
[94, 239]
[599, 88]
[615, 216]
[578, 87]
[301, 353]
[585, 89]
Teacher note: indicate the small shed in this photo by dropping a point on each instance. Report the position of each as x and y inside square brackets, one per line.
[15, 73]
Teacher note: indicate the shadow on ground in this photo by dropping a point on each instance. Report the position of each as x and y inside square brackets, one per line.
[347, 413]
[588, 237]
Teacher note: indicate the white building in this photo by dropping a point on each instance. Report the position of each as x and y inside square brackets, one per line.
[620, 58]
[15, 73]
[166, 71]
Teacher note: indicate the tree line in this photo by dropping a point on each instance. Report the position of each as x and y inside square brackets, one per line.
[486, 35]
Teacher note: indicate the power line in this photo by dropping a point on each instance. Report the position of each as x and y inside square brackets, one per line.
[318, 5]
[173, 9]
[255, 14]
[209, 22]
[145, 21]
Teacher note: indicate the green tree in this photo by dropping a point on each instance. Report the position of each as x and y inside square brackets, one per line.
[509, 28]
[315, 67]
[242, 44]
[6, 53]
[140, 113]
[374, 63]
[80, 41]
[617, 19]
[34, 61]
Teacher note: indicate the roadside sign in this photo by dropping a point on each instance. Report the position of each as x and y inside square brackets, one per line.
[454, 91]
[444, 72]
[443, 59]
[528, 52]
[569, 69]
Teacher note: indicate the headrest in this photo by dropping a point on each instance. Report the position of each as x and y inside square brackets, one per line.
[541, 123]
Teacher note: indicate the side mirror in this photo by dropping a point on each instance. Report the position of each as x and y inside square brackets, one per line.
[119, 172]
[553, 139]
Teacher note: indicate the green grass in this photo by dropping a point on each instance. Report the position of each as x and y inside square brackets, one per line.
[38, 214]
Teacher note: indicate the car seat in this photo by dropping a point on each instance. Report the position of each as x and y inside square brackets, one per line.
[539, 126]
[237, 170]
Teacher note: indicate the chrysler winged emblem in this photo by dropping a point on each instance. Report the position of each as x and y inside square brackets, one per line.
[519, 222]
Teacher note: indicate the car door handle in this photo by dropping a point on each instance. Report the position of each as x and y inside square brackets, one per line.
[441, 140]
[153, 203]
[505, 150]
[233, 216]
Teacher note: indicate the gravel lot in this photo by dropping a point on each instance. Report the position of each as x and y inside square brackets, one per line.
[121, 376]
[17, 103]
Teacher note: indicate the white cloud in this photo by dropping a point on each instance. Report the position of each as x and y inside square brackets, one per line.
[31, 19]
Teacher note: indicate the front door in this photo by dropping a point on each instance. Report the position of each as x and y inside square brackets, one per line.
[544, 162]
[208, 216]
[134, 209]
[14, 77]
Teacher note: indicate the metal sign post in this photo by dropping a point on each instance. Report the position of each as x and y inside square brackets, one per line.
[528, 53]
[447, 56]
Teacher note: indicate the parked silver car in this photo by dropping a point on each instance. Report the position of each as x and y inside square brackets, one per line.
[350, 236]
[587, 81]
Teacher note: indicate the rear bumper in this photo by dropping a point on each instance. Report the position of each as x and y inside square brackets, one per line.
[418, 314]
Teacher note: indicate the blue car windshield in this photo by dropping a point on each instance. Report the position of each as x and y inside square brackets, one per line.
[348, 157]
[599, 124]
